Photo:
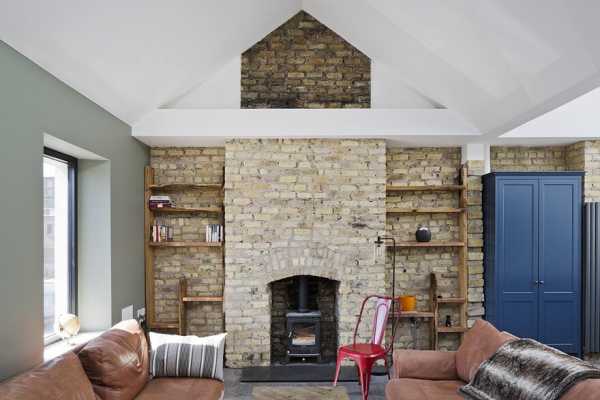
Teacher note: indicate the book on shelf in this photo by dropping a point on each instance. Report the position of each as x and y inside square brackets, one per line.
[161, 233]
[214, 233]
[160, 202]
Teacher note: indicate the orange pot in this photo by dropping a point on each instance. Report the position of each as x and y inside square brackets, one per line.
[408, 303]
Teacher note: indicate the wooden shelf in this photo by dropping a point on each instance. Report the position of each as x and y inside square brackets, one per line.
[174, 187]
[429, 188]
[164, 325]
[186, 244]
[179, 210]
[201, 299]
[435, 210]
[452, 329]
[451, 300]
[459, 245]
[414, 314]
[428, 244]
[216, 211]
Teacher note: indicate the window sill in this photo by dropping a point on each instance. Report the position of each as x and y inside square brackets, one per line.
[61, 347]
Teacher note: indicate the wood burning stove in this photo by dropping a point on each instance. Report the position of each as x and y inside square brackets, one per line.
[303, 327]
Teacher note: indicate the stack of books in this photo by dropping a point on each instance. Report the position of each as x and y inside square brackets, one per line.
[214, 233]
[161, 233]
[160, 202]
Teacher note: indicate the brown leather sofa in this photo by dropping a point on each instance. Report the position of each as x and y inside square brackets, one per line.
[436, 375]
[114, 366]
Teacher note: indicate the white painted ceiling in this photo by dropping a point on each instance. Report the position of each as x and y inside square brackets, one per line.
[496, 63]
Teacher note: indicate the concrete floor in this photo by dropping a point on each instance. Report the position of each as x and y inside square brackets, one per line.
[234, 389]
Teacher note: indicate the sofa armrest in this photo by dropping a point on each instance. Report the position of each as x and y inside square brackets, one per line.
[424, 364]
[588, 389]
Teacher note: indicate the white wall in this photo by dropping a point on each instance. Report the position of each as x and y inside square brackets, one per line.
[388, 90]
[220, 90]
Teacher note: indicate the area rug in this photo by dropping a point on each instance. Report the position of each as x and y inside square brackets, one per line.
[299, 393]
[298, 373]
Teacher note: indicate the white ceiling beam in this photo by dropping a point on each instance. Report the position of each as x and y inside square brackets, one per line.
[197, 127]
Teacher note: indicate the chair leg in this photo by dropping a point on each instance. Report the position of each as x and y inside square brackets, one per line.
[361, 379]
[366, 366]
[387, 367]
[338, 365]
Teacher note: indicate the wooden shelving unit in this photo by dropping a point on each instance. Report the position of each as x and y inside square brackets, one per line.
[451, 300]
[460, 245]
[415, 314]
[428, 244]
[186, 244]
[451, 329]
[187, 210]
[150, 247]
[176, 187]
[184, 300]
[439, 210]
[436, 188]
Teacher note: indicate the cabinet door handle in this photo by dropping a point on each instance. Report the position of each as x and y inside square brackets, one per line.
[537, 282]
[541, 282]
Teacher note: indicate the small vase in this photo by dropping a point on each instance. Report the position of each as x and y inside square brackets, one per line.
[448, 321]
[423, 234]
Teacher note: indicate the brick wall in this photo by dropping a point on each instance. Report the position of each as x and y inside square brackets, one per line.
[299, 207]
[202, 266]
[304, 64]
[521, 158]
[283, 201]
[580, 156]
[592, 169]
[475, 240]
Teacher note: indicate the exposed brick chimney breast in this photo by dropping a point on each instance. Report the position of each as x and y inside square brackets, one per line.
[304, 64]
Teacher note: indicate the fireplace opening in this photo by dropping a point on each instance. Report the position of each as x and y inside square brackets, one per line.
[303, 320]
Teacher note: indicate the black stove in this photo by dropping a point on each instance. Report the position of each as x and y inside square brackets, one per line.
[303, 327]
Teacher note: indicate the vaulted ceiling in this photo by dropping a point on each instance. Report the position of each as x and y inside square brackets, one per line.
[497, 63]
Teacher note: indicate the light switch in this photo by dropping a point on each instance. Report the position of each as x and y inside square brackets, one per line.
[127, 313]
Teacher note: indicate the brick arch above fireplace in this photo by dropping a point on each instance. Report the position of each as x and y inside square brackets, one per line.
[318, 262]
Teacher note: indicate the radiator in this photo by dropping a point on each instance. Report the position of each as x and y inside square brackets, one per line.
[591, 278]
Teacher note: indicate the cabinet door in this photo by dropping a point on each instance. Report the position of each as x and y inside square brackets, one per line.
[517, 255]
[560, 263]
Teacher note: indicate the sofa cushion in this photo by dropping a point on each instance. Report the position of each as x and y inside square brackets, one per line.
[420, 389]
[425, 364]
[182, 389]
[61, 378]
[479, 343]
[116, 362]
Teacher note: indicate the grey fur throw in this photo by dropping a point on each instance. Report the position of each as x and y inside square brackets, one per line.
[524, 369]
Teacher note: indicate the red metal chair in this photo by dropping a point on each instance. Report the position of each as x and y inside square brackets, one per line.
[366, 354]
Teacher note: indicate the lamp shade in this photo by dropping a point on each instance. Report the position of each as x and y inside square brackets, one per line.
[67, 325]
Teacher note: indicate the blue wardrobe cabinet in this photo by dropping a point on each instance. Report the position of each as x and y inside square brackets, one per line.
[532, 255]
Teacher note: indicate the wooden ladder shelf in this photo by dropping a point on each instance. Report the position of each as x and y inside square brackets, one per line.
[461, 245]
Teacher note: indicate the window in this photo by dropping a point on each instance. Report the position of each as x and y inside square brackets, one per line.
[60, 273]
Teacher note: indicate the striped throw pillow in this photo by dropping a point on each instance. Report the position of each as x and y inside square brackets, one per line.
[187, 356]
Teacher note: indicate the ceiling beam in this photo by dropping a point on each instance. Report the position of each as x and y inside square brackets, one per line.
[197, 127]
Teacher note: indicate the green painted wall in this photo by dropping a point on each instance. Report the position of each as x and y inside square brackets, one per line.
[33, 102]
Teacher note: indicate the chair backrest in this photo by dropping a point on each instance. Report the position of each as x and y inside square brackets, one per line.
[381, 313]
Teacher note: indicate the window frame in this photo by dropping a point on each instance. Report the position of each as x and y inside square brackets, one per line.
[72, 222]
